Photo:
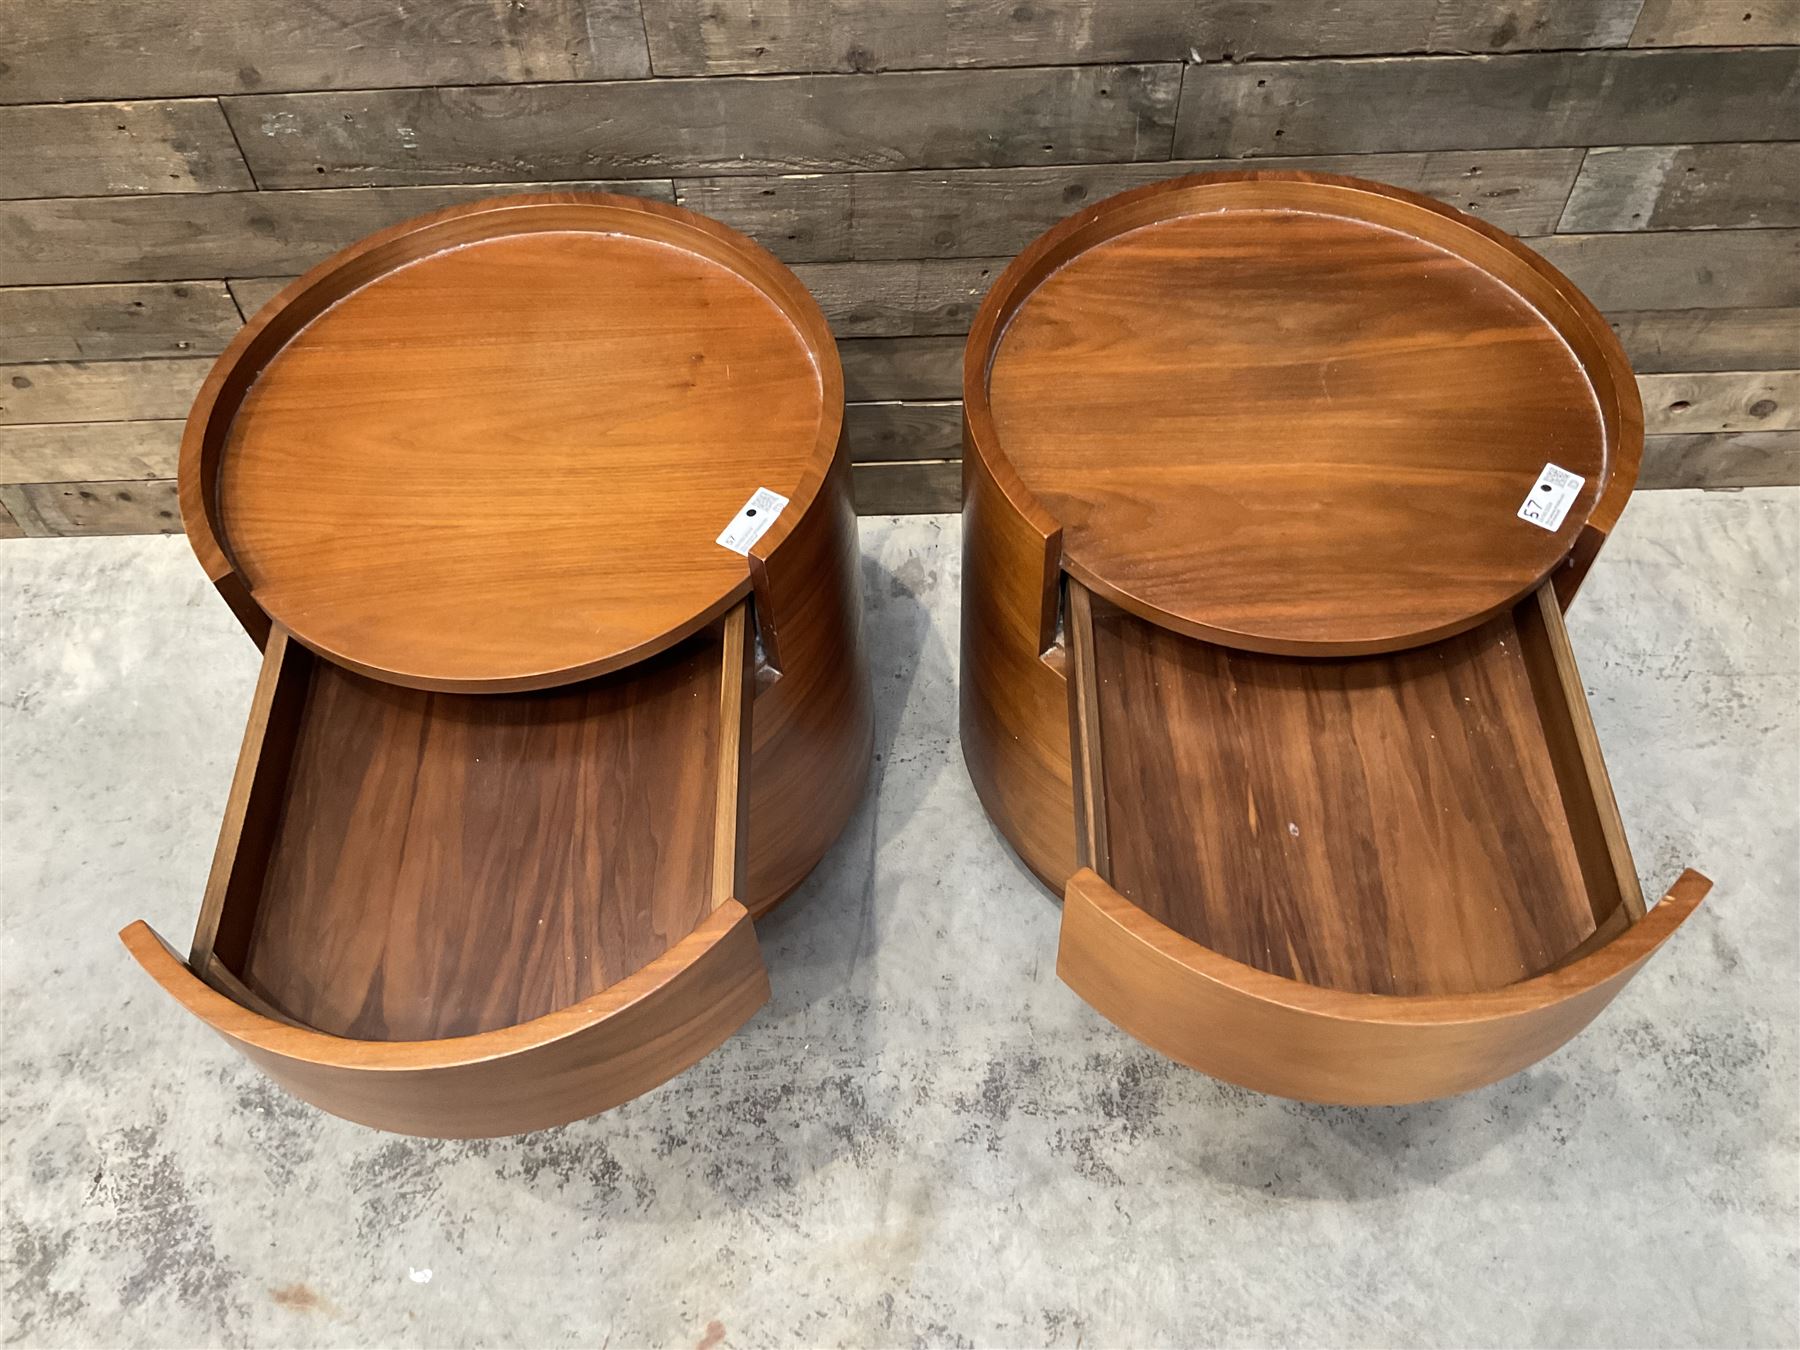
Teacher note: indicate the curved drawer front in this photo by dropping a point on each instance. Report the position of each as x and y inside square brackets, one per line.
[610, 1048]
[1361, 880]
[480, 914]
[1271, 1034]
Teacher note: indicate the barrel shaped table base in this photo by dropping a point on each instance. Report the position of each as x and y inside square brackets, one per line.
[531, 746]
[1324, 826]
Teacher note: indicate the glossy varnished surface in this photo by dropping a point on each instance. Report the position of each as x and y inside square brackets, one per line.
[493, 449]
[1296, 414]
[1388, 824]
[448, 864]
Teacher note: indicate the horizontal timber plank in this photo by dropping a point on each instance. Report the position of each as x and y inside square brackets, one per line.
[894, 431]
[1539, 99]
[77, 49]
[75, 452]
[1686, 187]
[1738, 460]
[1660, 340]
[1717, 401]
[907, 489]
[98, 391]
[699, 37]
[922, 298]
[9, 528]
[225, 234]
[976, 212]
[99, 149]
[1681, 269]
[730, 125]
[880, 369]
[1715, 23]
[94, 508]
[105, 323]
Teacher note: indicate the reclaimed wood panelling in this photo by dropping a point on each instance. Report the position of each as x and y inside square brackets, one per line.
[1737, 460]
[1661, 340]
[1681, 269]
[74, 452]
[1686, 187]
[896, 154]
[1465, 102]
[891, 431]
[98, 391]
[879, 369]
[223, 234]
[76, 49]
[1716, 23]
[103, 323]
[699, 37]
[925, 298]
[98, 149]
[974, 212]
[922, 298]
[1718, 401]
[93, 508]
[908, 488]
[655, 128]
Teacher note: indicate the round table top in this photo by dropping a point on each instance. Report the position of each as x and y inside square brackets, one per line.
[1297, 415]
[496, 448]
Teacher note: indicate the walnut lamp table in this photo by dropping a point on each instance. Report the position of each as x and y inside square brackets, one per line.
[540, 510]
[1275, 488]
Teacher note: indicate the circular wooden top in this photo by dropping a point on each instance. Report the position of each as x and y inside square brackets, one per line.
[494, 448]
[1297, 414]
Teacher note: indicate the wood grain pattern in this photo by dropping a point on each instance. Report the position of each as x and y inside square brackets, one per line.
[98, 391]
[905, 489]
[73, 452]
[917, 298]
[1013, 710]
[1678, 187]
[94, 49]
[231, 234]
[1743, 459]
[1224, 379]
[505, 486]
[1275, 1035]
[650, 129]
[688, 37]
[814, 724]
[1724, 400]
[886, 431]
[977, 212]
[1465, 102]
[611, 1047]
[107, 323]
[448, 864]
[135, 507]
[1683, 23]
[97, 149]
[1660, 341]
[1386, 825]
[879, 369]
[1680, 269]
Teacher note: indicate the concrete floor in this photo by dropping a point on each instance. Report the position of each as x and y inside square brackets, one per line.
[924, 1138]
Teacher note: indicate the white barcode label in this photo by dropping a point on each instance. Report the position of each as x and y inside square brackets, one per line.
[1551, 497]
[751, 523]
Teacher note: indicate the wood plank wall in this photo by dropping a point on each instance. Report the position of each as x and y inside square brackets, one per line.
[165, 163]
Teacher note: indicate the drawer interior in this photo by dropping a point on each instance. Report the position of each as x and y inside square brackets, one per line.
[1429, 821]
[405, 865]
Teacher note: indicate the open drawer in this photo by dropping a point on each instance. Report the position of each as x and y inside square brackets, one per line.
[479, 914]
[1356, 880]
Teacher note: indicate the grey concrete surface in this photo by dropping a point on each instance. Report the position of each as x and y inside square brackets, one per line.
[925, 1138]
